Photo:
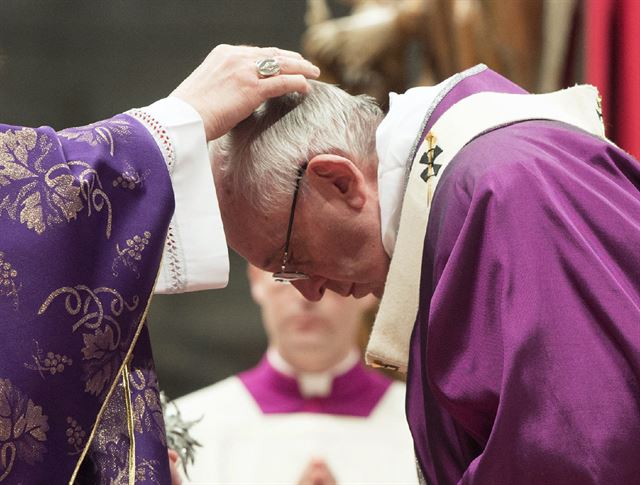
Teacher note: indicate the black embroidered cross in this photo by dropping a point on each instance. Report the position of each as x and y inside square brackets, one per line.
[428, 158]
[599, 108]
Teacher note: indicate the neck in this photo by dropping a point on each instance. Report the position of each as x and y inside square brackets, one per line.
[296, 364]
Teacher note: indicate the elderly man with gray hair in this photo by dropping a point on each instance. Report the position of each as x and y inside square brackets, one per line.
[500, 229]
[330, 135]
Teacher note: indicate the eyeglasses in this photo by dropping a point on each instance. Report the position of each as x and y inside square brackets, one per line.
[284, 276]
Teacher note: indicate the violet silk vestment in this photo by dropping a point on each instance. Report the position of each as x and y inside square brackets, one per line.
[84, 214]
[524, 359]
[260, 427]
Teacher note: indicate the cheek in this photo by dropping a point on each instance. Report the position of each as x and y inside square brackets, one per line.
[339, 312]
[344, 245]
[334, 307]
[278, 328]
[337, 255]
[352, 259]
[276, 311]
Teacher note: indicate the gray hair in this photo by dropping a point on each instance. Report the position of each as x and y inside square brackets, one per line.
[260, 157]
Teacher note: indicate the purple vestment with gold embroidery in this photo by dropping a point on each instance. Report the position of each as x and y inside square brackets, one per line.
[525, 355]
[83, 218]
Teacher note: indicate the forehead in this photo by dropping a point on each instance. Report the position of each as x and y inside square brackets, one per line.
[260, 237]
[258, 248]
[257, 241]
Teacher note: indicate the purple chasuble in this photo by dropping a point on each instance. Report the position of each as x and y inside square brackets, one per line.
[83, 218]
[525, 356]
[355, 393]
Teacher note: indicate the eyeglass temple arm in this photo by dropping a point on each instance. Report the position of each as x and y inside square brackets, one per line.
[301, 170]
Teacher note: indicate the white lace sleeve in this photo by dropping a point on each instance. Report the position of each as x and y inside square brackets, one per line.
[195, 254]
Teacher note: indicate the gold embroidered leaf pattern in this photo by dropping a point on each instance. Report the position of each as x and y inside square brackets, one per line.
[41, 193]
[138, 413]
[114, 463]
[154, 412]
[98, 133]
[23, 428]
[65, 194]
[33, 424]
[111, 443]
[54, 200]
[103, 359]
[15, 147]
[96, 345]
[147, 471]
[99, 373]
[10, 171]
[148, 413]
[97, 311]
[31, 213]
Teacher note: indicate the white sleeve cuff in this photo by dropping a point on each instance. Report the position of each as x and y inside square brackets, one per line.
[195, 254]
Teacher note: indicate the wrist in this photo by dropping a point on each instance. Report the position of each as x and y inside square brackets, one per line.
[208, 120]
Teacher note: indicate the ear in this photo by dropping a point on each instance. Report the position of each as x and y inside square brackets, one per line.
[334, 177]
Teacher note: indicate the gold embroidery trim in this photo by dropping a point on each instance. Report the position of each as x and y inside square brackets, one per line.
[113, 385]
[132, 438]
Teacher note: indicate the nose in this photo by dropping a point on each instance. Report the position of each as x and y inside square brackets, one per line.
[312, 289]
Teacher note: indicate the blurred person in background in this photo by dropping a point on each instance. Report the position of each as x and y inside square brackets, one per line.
[309, 412]
[79, 395]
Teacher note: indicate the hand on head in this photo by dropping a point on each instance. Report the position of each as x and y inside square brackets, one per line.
[227, 87]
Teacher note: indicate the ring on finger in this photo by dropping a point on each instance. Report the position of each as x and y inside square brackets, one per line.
[268, 67]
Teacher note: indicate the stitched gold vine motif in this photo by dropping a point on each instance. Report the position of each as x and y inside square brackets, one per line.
[49, 363]
[111, 443]
[8, 277]
[130, 254]
[98, 133]
[147, 409]
[97, 312]
[110, 448]
[93, 193]
[23, 429]
[76, 436]
[131, 178]
[39, 194]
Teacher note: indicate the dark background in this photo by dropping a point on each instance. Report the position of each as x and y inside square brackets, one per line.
[71, 63]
